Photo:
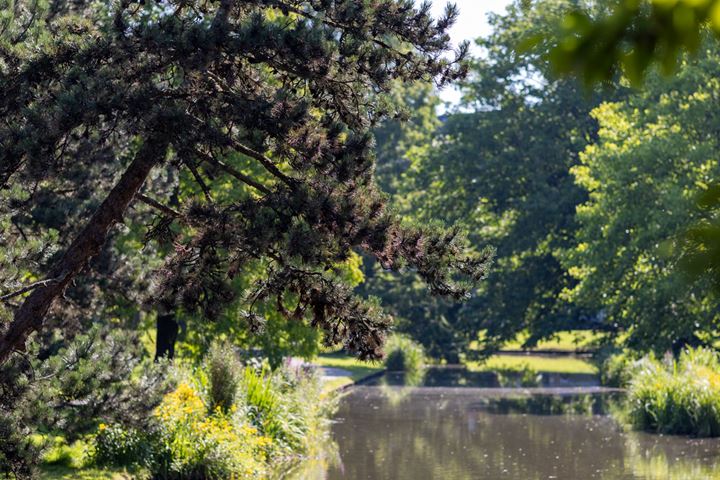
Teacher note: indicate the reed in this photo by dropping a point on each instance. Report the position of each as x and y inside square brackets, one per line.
[677, 397]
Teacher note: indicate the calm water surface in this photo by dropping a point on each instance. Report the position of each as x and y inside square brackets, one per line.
[393, 432]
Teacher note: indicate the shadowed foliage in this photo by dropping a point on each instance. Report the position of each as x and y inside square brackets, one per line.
[276, 97]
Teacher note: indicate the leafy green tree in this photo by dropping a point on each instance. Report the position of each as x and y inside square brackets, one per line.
[633, 37]
[273, 98]
[656, 152]
[500, 166]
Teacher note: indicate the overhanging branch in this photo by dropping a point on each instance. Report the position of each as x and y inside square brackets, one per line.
[235, 173]
[158, 206]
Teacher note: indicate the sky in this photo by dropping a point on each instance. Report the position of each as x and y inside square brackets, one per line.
[471, 24]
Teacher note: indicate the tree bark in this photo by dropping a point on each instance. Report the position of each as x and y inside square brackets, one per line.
[29, 317]
[166, 335]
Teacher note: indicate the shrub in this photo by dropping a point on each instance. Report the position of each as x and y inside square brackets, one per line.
[197, 443]
[677, 397]
[128, 447]
[223, 422]
[403, 354]
[285, 405]
[66, 385]
[223, 369]
[617, 370]
[187, 441]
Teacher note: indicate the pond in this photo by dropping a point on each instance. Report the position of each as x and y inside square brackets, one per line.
[556, 431]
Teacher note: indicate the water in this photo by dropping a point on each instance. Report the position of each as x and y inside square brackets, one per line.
[554, 432]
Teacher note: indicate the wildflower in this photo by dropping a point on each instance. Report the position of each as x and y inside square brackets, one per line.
[102, 427]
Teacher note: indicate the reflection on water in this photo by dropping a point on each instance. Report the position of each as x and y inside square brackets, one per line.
[460, 377]
[387, 432]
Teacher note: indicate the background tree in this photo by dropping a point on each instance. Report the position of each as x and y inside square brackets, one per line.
[499, 165]
[634, 37]
[655, 153]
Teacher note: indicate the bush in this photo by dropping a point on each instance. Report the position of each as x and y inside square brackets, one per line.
[65, 386]
[224, 422]
[677, 397]
[223, 369]
[403, 354]
[618, 369]
[187, 441]
[129, 447]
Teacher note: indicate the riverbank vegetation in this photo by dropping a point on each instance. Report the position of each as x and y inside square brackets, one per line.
[404, 355]
[676, 396]
[223, 421]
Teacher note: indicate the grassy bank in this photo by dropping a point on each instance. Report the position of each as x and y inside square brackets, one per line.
[357, 369]
[567, 341]
[560, 364]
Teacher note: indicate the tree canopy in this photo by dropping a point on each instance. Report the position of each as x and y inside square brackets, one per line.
[500, 166]
[276, 96]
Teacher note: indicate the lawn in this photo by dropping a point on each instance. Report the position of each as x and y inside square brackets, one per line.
[58, 472]
[560, 364]
[568, 341]
[357, 369]
[66, 462]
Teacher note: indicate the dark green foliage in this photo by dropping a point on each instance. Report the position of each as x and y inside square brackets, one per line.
[273, 100]
[701, 243]
[500, 167]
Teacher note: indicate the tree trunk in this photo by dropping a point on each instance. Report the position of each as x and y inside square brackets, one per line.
[29, 317]
[166, 335]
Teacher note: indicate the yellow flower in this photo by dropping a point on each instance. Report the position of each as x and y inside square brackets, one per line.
[102, 427]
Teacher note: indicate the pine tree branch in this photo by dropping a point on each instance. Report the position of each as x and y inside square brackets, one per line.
[200, 181]
[157, 205]
[29, 317]
[331, 23]
[235, 173]
[27, 288]
[265, 161]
